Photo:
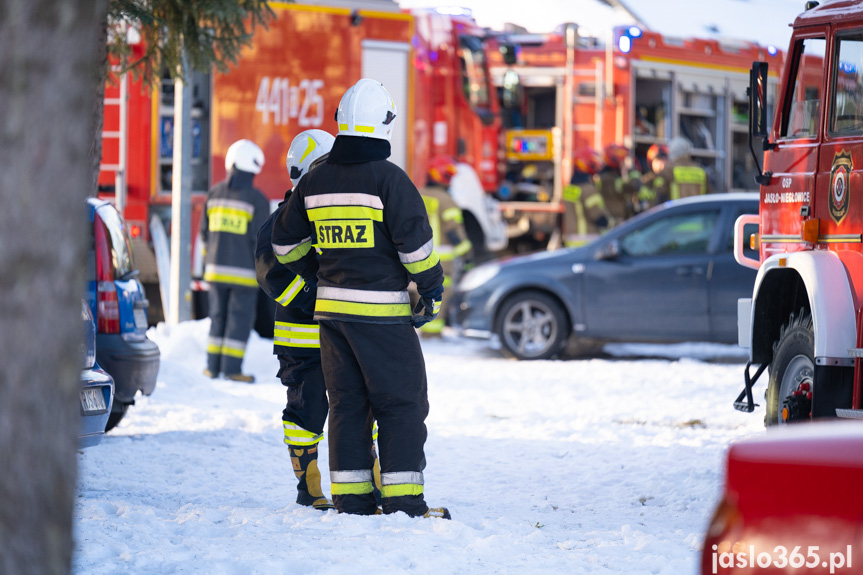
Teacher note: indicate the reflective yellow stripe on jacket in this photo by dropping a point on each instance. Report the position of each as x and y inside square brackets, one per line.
[344, 220]
[291, 291]
[688, 176]
[292, 252]
[420, 260]
[368, 303]
[297, 334]
[229, 216]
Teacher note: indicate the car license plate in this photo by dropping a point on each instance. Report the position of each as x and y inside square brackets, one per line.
[92, 400]
[140, 319]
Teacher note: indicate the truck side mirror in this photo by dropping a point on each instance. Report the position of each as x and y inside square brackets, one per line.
[757, 92]
[758, 100]
[510, 58]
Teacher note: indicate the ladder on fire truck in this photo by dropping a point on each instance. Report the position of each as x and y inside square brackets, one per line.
[120, 135]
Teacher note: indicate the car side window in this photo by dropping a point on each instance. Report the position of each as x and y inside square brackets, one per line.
[679, 234]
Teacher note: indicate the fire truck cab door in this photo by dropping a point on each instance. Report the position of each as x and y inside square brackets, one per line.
[387, 62]
[794, 160]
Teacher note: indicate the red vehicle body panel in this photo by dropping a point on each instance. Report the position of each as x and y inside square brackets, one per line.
[795, 488]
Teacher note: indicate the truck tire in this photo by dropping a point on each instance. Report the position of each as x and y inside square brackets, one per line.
[532, 325]
[793, 364]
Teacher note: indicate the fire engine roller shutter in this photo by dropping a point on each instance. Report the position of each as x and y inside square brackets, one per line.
[387, 62]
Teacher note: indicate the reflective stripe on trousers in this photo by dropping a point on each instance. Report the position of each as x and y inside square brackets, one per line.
[296, 435]
[401, 483]
[356, 482]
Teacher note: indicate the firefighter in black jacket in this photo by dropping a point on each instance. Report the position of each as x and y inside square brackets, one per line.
[296, 339]
[369, 221]
[234, 212]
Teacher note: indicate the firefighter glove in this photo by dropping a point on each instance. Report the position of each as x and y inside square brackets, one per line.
[427, 308]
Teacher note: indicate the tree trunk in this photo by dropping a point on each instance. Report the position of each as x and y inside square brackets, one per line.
[47, 87]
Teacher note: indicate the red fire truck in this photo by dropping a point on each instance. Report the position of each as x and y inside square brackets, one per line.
[804, 317]
[635, 88]
[291, 79]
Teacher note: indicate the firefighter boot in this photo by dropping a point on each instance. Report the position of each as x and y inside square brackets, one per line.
[305, 462]
[438, 512]
[240, 377]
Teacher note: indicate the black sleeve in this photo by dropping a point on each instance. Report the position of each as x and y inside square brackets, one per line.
[292, 238]
[407, 219]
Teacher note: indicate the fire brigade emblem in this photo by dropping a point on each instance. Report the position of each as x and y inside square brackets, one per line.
[840, 179]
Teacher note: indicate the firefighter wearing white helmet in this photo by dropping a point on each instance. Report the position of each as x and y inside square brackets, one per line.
[296, 341]
[366, 110]
[307, 147]
[233, 212]
[371, 226]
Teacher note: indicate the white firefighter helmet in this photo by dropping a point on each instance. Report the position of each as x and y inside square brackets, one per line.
[679, 148]
[366, 110]
[244, 155]
[306, 147]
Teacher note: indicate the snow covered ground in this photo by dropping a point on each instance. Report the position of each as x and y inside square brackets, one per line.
[582, 466]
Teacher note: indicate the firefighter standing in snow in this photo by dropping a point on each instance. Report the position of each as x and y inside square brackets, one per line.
[296, 340]
[232, 215]
[370, 224]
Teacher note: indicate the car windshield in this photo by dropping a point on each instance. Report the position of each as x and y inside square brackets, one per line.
[121, 250]
[679, 234]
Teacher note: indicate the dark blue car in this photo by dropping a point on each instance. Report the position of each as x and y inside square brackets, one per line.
[667, 275]
[97, 387]
[116, 299]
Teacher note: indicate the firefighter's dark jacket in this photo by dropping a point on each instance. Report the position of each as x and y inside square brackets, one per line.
[371, 227]
[295, 331]
[232, 216]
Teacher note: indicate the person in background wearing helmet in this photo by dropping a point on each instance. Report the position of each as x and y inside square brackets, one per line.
[370, 223]
[296, 341]
[653, 184]
[584, 215]
[233, 212]
[450, 238]
[609, 182]
[684, 176]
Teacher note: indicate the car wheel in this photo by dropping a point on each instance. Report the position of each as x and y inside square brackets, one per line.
[532, 325]
[789, 390]
[118, 410]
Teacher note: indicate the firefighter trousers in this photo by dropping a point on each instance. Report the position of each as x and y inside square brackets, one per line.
[375, 371]
[306, 410]
[232, 314]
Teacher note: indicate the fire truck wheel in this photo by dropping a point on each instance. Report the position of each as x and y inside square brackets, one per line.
[532, 325]
[118, 410]
[791, 371]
